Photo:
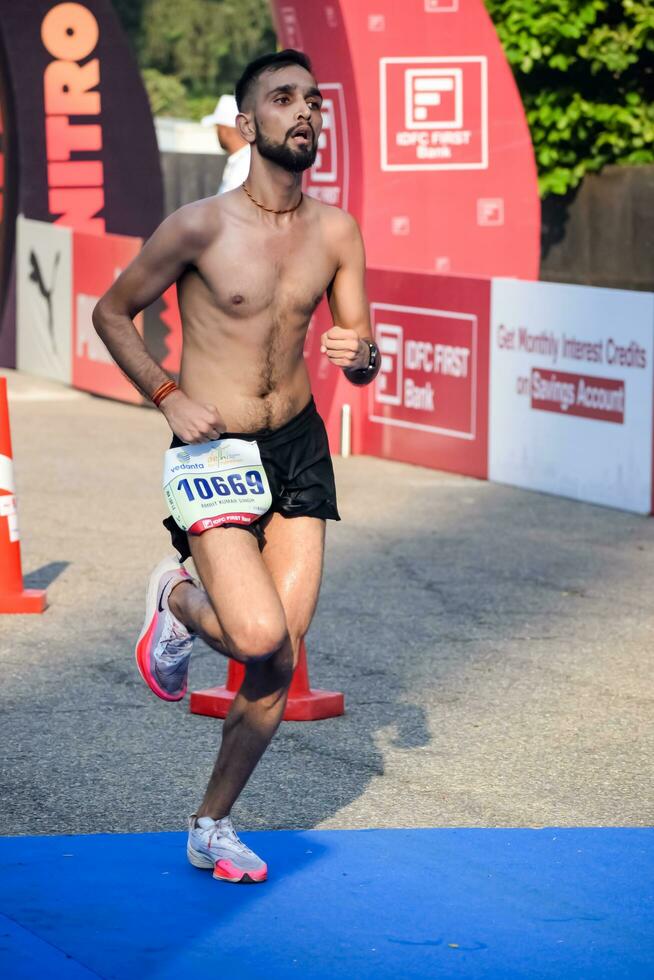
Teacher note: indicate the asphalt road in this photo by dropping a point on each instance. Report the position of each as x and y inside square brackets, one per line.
[493, 646]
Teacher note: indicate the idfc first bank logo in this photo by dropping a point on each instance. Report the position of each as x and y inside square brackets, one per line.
[427, 379]
[434, 113]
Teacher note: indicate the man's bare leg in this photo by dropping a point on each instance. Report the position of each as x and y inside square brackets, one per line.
[257, 603]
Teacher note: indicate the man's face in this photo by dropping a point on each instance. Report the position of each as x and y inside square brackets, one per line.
[287, 117]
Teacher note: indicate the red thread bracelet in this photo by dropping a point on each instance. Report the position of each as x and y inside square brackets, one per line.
[163, 391]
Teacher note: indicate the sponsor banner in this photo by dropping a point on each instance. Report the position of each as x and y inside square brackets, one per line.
[97, 261]
[434, 113]
[46, 308]
[422, 112]
[77, 140]
[44, 291]
[428, 404]
[571, 391]
[329, 178]
[423, 349]
[576, 394]
[82, 123]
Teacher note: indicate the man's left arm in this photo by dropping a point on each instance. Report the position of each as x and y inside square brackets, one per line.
[349, 344]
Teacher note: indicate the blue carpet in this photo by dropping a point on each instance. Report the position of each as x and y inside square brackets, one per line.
[573, 904]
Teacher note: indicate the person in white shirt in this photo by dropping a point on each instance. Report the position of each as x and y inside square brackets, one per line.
[238, 161]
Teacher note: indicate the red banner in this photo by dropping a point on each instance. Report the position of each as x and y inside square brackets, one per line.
[77, 131]
[429, 403]
[425, 139]
[97, 261]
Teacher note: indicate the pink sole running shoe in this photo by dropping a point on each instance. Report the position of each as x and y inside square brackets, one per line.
[165, 645]
[215, 844]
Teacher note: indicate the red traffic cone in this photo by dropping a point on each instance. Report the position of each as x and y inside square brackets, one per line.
[13, 597]
[303, 704]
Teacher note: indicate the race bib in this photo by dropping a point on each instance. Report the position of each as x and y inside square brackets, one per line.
[214, 483]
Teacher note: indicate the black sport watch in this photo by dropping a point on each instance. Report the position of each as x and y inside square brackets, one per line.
[363, 376]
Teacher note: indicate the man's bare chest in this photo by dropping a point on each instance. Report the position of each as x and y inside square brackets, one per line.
[285, 276]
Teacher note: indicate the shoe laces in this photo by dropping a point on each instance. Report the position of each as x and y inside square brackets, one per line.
[227, 830]
[224, 828]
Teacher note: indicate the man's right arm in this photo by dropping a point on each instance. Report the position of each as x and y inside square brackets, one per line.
[177, 243]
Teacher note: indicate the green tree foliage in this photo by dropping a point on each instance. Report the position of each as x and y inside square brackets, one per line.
[166, 93]
[585, 70]
[192, 51]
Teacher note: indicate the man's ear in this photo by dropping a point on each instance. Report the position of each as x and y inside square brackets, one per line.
[245, 126]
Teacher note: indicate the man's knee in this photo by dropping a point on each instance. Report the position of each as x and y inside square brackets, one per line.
[258, 639]
[273, 675]
[269, 679]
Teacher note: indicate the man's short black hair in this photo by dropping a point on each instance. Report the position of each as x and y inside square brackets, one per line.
[267, 62]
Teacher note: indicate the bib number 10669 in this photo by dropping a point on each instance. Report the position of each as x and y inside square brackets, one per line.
[235, 483]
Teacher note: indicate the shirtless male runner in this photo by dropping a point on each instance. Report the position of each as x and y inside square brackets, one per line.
[251, 266]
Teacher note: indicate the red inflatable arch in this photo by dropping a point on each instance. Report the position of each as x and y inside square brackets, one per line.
[425, 137]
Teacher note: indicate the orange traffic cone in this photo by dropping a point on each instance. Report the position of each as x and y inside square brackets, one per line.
[303, 704]
[13, 597]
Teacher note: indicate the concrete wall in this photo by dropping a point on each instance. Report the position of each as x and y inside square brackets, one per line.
[603, 235]
[189, 176]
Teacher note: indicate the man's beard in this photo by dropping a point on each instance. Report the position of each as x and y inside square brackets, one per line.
[295, 161]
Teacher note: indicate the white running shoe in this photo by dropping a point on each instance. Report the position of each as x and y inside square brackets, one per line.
[165, 645]
[214, 844]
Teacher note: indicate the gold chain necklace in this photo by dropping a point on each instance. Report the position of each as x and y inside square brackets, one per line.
[272, 210]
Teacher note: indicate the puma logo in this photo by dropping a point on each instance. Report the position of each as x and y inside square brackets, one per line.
[36, 276]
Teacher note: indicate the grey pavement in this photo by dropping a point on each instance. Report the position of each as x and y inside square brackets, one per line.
[494, 647]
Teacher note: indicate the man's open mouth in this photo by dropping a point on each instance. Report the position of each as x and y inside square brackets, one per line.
[302, 135]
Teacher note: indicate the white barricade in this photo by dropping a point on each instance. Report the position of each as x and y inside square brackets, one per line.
[571, 392]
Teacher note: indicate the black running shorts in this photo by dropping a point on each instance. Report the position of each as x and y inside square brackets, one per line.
[299, 468]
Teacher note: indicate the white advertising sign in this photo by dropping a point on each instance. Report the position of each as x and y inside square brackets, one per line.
[571, 392]
[43, 299]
